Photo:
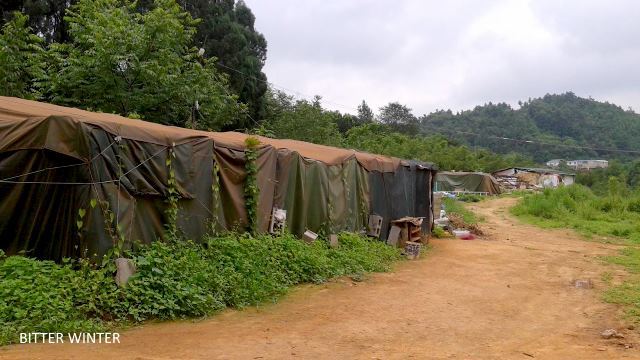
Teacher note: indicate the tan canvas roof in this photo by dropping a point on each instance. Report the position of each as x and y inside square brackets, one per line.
[16, 111]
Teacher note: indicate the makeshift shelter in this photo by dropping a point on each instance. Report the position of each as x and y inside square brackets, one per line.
[532, 178]
[72, 182]
[467, 182]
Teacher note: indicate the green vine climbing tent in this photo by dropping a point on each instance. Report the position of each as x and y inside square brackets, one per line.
[139, 181]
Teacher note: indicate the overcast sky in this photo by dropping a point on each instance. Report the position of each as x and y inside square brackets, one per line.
[435, 54]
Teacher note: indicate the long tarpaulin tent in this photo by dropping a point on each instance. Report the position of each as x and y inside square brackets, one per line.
[474, 182]
[74, 181]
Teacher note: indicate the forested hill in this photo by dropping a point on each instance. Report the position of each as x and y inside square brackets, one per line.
[554, 119]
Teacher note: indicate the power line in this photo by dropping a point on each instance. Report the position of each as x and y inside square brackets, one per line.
[542, 142]
[460, 132]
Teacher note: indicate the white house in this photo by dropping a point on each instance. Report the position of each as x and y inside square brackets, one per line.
[587, 164]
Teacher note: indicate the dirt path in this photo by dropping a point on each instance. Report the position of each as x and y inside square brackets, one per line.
[507, 296]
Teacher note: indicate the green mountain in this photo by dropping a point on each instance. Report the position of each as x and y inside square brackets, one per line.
[557, 126]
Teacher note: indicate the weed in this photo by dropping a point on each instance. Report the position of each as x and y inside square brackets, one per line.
[453, 206]
[174, 279]
[439, 233]
[577, 207]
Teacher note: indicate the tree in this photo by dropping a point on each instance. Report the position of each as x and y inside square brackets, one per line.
[226, 32]
[303, 120]
[123, 61]
[21, 59]
[46, 17]
[399, 118]
[365, 114]
[380, 139]
[345, 122]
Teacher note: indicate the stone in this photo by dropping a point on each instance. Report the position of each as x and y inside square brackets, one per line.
[394, 235]
[608, 334]
[333, 240]
[125, 268]
[309, 236]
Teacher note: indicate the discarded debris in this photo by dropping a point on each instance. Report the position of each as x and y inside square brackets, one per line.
[309, 236]
[412, 250]
[375, 225]
[463, 234]
[410, 229]
[611, 333]
[394, 235]
[583, 283]
[278, 221]
[457, 222]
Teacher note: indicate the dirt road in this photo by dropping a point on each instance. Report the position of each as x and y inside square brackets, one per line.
[506, 296]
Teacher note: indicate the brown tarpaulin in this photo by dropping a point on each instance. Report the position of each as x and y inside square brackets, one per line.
[55, 160]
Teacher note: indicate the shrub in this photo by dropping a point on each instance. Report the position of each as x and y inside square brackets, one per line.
[174, 279]
[439, 233]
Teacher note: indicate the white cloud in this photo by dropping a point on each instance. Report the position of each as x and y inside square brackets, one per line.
[457, 54]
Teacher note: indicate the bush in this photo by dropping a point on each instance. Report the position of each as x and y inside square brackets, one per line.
[470, 197]
[175, 279]
[440, 233]
[40, 296]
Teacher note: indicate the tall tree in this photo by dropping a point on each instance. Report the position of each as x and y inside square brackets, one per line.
[399, 118]
[302, 120]
[365, 114]
[46, 17]
[227, 32]
[21, 59]
[123, 61]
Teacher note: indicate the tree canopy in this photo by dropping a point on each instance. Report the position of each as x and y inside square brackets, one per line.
[303, 120]
[308, 121]
[558, 125]
[21, 59]
[225, 31]
[399, 117]
[120, 60]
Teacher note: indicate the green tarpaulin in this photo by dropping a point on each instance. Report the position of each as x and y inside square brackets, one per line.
[55, 162]
[467, 182]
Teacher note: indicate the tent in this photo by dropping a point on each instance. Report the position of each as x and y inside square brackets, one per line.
[475, 182]
[73, 181]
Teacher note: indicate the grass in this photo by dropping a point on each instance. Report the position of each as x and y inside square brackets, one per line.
[578, 208]
[615, 216]
[176, 279]
[457, 207]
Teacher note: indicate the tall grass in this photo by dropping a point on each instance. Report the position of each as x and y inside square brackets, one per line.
[176, 279]
[577, 207]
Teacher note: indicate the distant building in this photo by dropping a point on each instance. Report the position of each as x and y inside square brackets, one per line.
[579, 164]
[555, 163]
[587, 164]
